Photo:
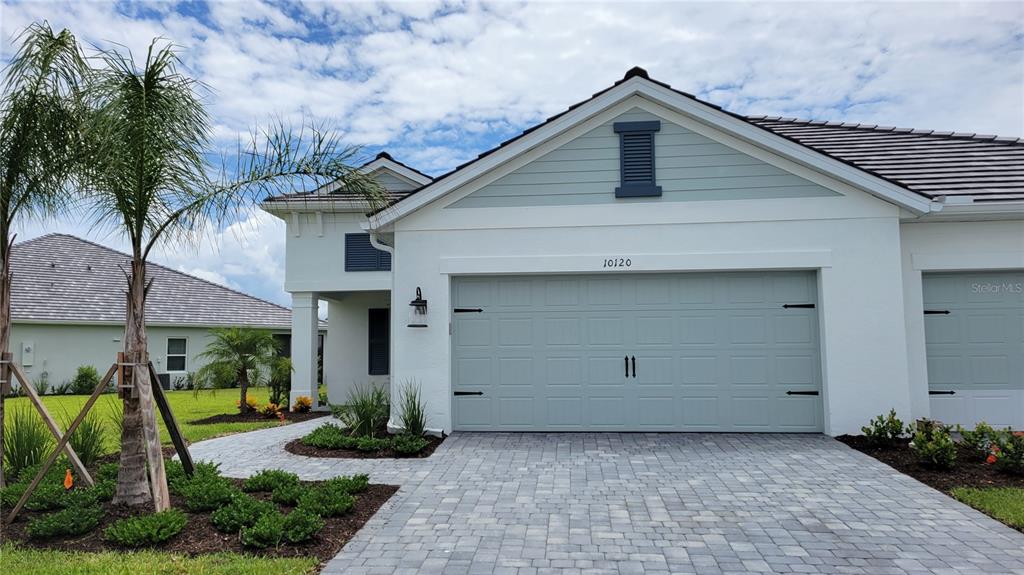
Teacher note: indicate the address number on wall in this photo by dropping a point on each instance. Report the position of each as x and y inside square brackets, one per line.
[618, 263]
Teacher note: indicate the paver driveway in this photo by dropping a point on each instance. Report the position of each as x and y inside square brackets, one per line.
[644, 503]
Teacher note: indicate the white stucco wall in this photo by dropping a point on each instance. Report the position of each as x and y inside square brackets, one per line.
[315, 254]
[61, 349]
[346, 347]
[948, 246]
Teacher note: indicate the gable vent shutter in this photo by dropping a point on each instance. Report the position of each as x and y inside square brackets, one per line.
[361, 256]
[636, 159]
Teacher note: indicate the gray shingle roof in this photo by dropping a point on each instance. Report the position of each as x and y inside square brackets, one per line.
[62, 278]
[924, 161]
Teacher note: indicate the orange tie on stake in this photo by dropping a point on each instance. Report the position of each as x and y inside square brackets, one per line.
[68, 480]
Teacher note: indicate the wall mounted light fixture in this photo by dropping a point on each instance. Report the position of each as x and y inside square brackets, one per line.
[418, 310]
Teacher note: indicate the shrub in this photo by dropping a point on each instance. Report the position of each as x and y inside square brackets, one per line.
[64, 388]
[207, 494]
[243, 511]
[1010, 454]
[409, 444]
[328, 436]
[146, 529]
[326, 501]
[287, 494]
[933, 445]
[348, 484]
[10, 495]
[42, 383]
[108, 471]
[88, 438]
[269, 480]
[266, 532]
[981, 440]
[47, 496]
[27, 441]
[88, 496]
[300, 525]
[250, 402]
[280, 380]
[70, 521]
[413, 413]
[302, 404]
[366, 411]
[86, 380]
[269, 410]
[367, 443]
[884, 430]
[177, 479]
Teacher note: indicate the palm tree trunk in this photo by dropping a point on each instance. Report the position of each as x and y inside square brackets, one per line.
[243, 382]
[139, 415]
[5, 332]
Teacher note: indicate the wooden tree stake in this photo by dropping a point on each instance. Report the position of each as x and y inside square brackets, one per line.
[172, 424]
[61, 444]
[154, 454]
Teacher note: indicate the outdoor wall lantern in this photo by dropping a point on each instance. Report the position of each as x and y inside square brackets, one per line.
[418, 310]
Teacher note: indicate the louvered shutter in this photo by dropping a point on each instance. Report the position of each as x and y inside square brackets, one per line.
[636, 165]
[379, 341]
[361, 256]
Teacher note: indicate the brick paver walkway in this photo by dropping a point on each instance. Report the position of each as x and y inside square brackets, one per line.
[644, 503]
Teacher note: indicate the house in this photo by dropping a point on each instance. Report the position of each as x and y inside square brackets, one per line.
[68, 304]
[647, 261]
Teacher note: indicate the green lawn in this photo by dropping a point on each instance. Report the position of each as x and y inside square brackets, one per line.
[27, 561]
[186, 405]
[1003, 503]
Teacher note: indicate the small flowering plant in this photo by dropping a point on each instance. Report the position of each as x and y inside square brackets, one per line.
[270, 410]
[1009, 457]
[302, 404]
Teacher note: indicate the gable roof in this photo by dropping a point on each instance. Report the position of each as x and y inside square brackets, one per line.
[58, 278]
[903, 187]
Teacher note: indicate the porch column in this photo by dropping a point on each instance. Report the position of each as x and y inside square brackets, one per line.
[305, 332]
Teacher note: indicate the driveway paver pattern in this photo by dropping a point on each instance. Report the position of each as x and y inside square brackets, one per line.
[597, 503]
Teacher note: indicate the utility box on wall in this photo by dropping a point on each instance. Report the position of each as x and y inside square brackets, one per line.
[28, 353]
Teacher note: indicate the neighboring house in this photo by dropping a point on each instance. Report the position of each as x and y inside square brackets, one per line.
[646, 261]
[68, 309]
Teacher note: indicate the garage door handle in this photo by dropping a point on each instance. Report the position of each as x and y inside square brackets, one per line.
[801, 393]
[469, 393]
[936, 312]
[626, 359]
[634, 366]
[798, 305]
[941, 392]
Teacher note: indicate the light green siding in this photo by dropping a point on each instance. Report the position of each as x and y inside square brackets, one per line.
[688, 167]
[393, 183]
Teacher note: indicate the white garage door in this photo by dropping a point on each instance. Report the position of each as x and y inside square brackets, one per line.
[974, 334]
[637, 352]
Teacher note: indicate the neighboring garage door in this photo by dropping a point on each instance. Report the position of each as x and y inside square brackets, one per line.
[637, 352]
[974, 334]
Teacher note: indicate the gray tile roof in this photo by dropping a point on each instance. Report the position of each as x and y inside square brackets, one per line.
[924, 161]
[62, 278]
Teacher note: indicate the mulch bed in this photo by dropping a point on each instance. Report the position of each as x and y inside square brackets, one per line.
[199, 537]
[298, 448]
[969, 471]
[252, 417]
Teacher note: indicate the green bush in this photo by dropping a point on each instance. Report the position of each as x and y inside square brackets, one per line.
[88, 496]
[47, 496]
[367, 443]
[268, 531]
[243, 511]
[86, 380]
[326, 501]
[328, 436]
[413, 412]
[146, 529]
[108, 472]
[207, 493]
[177, 479]
[884, 430]
[1010, 458]
[70, 521]
[10, 495]
[933, 445]
[348, 484]
[301, 525]
[27, 441]
[88, 438]
[979, 441]
[409, 444]
[269, 480]
[287, 493]
[366, 410]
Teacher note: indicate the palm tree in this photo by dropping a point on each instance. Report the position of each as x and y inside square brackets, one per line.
[38, 119]
[147, 139]
[239, 351]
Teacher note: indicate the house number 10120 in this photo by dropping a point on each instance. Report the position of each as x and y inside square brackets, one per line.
[618, 263]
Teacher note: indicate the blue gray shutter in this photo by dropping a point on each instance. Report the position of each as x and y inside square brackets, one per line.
[379, 341]
[636, 159]
[361, 256]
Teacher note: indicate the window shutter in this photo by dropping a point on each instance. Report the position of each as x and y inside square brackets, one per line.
[379, 341]
[361, 256]
[636, 159]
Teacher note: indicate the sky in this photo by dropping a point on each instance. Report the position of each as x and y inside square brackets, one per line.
[436, 83]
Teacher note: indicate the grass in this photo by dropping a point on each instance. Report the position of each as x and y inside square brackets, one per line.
[26, 561]
[1003, 503]
[186, 405]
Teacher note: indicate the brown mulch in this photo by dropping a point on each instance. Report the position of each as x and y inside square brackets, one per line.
[199, 536]
[252, 416]
[298, 448]
[969, 471]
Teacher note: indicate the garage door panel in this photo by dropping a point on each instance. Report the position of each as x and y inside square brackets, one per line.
[750, 413]
[702, 413]
[565, 412]
[657, 411]
[606, 370]
[798, 413]
[515, 332]
[473, 412]
[793, 371]
[989, 370]
[606, 331]
[749, 370]
[563, 331]
[746, 289]
[699, 370]
[655, 331]
[795, 328]
[473, 293]
[654, 291]
[695, 289]
[604, 292]
[748, 329]
[563, 370]
[473, 333]
[699, 329]
[607, 411]
[514, 293]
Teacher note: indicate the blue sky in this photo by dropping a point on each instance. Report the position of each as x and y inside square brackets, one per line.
[436, 83]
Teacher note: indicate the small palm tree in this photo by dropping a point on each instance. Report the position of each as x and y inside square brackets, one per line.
[241, 351]
[38, 128]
